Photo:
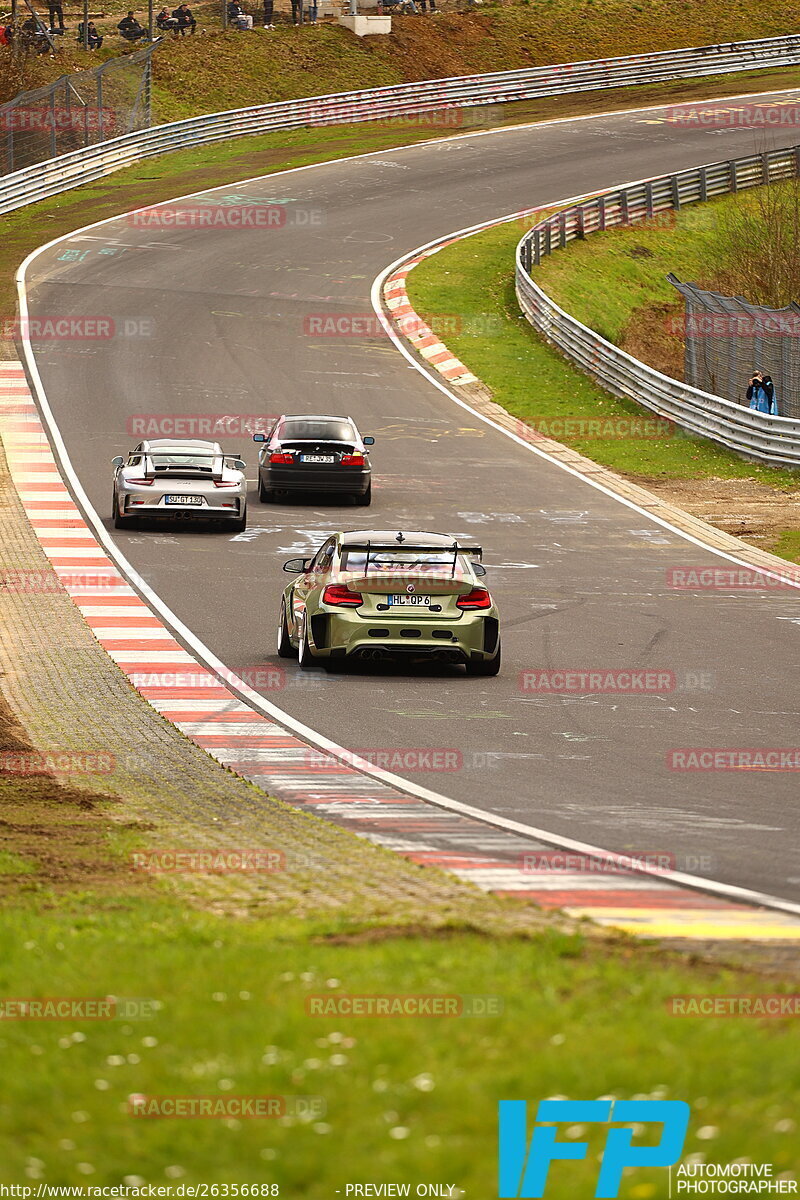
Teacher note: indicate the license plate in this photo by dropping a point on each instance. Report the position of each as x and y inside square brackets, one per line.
[321, 458]
[183, 499]
[410, 601]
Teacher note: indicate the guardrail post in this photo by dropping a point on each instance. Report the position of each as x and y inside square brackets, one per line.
[648, 195]
[100, 130]
[562, 229]
[548, 241]
[676, 193]
[537, 254]
[148, 92]
[581, 230]
[764, 168]
[624, 211]
[703, 183]
[53, 142]
[601, 212]
[797, 161]
[733, 179]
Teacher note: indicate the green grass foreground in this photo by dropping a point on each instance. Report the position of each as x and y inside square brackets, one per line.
[474, 278]
[401, 1099]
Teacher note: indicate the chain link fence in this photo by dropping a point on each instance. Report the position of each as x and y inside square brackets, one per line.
[727, 340]
[77, 111]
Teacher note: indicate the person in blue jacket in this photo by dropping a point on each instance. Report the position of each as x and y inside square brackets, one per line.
[756, 394]
[772, 399]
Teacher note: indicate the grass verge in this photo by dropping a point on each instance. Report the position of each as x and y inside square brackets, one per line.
[222, 1011]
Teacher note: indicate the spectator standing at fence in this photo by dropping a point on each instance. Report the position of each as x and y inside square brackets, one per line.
[183, 15]
[269, 8]
[130, 28]
[756, 394]
[312, 12]
[772, 399]
[297, 12]
[424, 5]
[56, 13]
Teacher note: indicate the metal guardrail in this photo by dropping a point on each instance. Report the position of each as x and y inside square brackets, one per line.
[93, 162]
[752, 434]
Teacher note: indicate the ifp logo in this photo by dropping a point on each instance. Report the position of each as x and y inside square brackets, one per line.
[523, 1170]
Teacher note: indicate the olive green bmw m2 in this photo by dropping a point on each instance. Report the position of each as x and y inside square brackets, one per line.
[378, 595]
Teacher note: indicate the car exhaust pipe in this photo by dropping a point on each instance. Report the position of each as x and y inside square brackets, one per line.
[370, 655]
[447, 656]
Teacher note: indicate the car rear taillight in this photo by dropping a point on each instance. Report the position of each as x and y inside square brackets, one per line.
[224, 483]
[352, 460]
[140, 482]
[477, 598]
[281, 458]
[337, 593]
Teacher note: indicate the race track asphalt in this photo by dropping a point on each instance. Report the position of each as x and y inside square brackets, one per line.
[580, 578]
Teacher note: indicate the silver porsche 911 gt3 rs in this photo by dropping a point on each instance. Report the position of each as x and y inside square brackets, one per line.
[170, 478]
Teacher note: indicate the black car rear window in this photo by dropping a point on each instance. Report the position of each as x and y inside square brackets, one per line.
[334, 431]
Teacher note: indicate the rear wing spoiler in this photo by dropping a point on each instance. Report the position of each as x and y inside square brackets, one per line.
[369, 548]
[150, 471]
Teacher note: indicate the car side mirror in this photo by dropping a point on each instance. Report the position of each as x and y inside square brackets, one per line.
[117, 461]
[368, 441]
[296, 566]
[239, 464]
[479, 569]
[259, 437]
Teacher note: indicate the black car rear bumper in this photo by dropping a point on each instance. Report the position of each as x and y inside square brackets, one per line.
[346, 480]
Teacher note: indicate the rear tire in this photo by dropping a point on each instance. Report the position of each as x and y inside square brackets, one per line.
[264, 494]
[241, 524]
[120, 522]
[487, 666]
[285, 647]
[305, 658]
[366, 499]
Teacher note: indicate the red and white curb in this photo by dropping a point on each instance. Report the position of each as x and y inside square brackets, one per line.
[421, 336]
[206, 710]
